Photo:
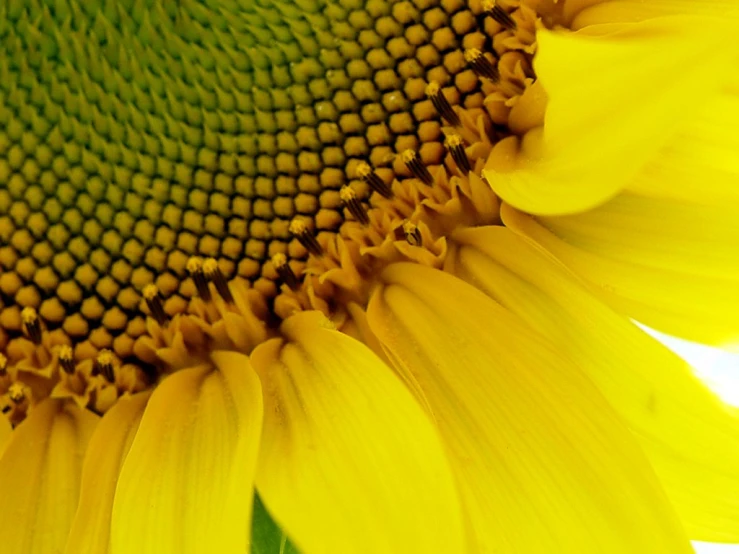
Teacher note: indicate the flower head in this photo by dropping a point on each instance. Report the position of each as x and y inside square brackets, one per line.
[372, 260]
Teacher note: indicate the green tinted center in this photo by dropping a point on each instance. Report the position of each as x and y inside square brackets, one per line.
[134, 135]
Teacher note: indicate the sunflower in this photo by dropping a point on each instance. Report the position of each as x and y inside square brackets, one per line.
[359, 275]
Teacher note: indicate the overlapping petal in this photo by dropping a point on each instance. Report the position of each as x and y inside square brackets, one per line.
[620, 97]
[90, 533]
[699, 165]
[186, 484]
[667, 263]
[583, 13]
[543, 463]
[5, 431]
[40, 473]
[349, 461]
[690, 437]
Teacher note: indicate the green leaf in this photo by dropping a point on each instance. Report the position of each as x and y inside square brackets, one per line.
[266, 535]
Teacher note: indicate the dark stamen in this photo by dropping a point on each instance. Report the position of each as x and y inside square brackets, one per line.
[415, 165]
[195, 268]
[155, 304]
[285, 272]
[455, 145]
[104, 364]
[32, 324]
[369, 176]
[304, 235]
[66, 359]
[412, 234]
[442, 105]
[494, 10]
[214, 273]
[353, 204]
[481, 65]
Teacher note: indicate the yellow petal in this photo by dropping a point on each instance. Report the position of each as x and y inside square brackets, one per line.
[615, 99]
[90, 533]
[5, 431]
[670, 264]
[543, 463]
[186, 485]
[691, 438]
[700, 163]
[40, 477]
[349, 461]
[583, 13]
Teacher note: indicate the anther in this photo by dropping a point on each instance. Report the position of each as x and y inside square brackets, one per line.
[32, 324]
[16, 393]
[416, 166]
[154, 301]
[304, 235]
[66, 359]
[442, 105]
[104, 365]
[195, 269]
[370, 176]
[455, 145]
[284, 270]
[482, 66]
[353, 204]
[412, 234]
[3, 366]
[214, 273]
[494, 10]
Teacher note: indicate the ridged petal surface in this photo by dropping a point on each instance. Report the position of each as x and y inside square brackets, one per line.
[542, 461]
[349, 461]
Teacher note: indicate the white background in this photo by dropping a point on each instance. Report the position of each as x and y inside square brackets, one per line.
[721, 371]
[705, 548]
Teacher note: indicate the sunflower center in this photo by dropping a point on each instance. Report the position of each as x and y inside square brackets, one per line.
[219, 165]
